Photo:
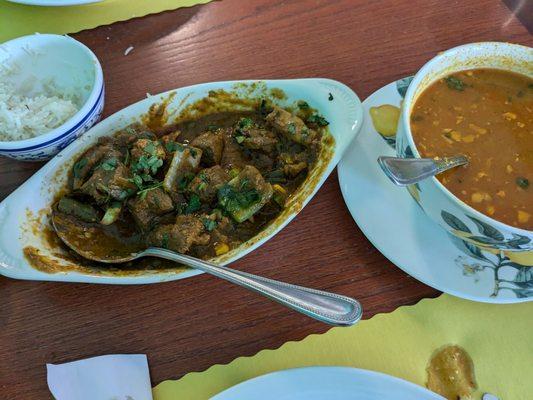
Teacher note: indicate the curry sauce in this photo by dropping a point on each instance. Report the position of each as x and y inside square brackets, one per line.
[201, 186]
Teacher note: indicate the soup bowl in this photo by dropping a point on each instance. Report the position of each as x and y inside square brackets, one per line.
[439, 203]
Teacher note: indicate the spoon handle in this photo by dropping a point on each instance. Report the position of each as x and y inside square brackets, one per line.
[327, 307]
[407, 171]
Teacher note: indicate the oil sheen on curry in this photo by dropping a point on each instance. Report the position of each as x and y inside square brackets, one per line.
[200, 187]
[486, 114]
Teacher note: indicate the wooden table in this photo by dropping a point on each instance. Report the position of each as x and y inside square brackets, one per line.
[191, 324]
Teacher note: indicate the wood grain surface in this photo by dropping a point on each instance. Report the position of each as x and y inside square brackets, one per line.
[191, 324]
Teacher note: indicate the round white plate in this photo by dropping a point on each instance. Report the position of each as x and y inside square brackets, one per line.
[56, 3]
[399, 229]
[326, 383]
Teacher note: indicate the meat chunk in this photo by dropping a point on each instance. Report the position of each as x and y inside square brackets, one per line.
[146, 208]
[232, 155]
[293, 164]
[169, 142]
[82, 211]
[187, 231]
[207, 183]
[254, 137]
[222, 236]
[171, 137]
[291, 126]
[90, 159]
[212, 145]
[111, 182]
[260, 139]
[183, 167]
[147, 148]
[245, 194]
[131, 134]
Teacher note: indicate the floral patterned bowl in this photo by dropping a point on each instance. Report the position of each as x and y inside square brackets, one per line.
[40, 60]
[435, 199]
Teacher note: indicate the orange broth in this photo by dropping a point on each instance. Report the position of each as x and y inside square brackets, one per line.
[486, 114]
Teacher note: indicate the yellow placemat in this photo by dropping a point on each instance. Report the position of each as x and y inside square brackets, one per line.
[19, 20]
[497, 337]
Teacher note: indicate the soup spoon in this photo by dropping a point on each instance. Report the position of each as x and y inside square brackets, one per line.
[407, 171]
[84, 239]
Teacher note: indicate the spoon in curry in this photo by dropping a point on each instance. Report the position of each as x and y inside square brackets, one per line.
[85, 240]
[407, 171]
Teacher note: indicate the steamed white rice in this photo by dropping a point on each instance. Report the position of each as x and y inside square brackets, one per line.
[26, 117]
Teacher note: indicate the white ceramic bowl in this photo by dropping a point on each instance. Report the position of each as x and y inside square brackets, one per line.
[436, 200]
[72, 68]
[23, 214]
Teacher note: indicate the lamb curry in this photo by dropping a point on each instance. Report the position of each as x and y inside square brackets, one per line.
[199, 187]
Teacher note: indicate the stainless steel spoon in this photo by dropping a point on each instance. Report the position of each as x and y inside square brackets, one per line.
[327, 307]
[407, 171]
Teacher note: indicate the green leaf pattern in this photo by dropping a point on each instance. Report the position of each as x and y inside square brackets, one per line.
[519, 282]
[403, 84]
[487, 234]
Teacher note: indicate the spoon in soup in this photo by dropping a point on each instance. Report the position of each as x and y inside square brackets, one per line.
[93, 242]
[407, 171]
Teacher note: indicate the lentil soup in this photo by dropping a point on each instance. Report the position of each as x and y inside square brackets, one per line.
[486, 114]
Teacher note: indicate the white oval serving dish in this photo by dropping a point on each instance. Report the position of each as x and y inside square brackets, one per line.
[23, 213]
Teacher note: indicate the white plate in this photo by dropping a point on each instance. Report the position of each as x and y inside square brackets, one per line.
[399, 229]
[344, 112]
[326, 383]
[56, 3]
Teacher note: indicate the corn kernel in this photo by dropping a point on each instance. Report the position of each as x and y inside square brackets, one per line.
[491, 210]
[468, 138]
[221, 248]
[455, 136]
[509, 116]
[523, 216]
[477, 129]
[279, 188]
[477, 197]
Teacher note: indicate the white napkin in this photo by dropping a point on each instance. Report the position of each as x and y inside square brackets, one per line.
[111, 377]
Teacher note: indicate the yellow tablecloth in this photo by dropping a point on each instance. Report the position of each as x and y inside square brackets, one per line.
[497, 337]
[19, 20]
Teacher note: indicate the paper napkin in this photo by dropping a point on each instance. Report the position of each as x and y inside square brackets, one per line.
[110, 377]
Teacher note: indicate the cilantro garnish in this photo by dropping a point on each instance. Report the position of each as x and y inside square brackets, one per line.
[110, 164]
[78, 166]
[173, 146]
[318, 120]
[302, 105]
[150, 148]
[184, 181]
[147, 164]
[233, 200]
[455, 83]
[142, 193]
[291, 128]
[522, 182]
[245, 123]
[164, 240]
[194, 204]
[209, 224]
